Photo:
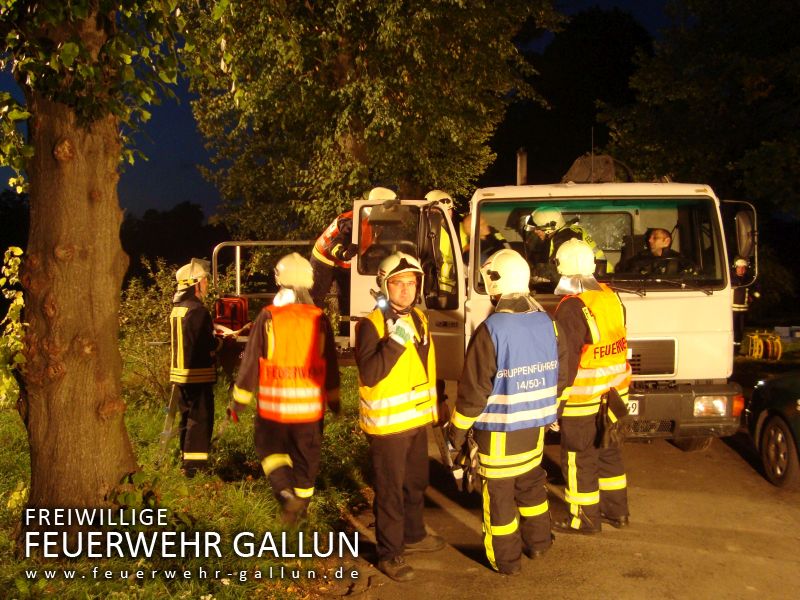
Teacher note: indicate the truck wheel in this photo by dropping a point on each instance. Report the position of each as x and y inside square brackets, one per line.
[693, 444]
[779, 453]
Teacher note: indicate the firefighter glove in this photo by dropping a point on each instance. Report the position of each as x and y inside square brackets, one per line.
[401, 332]
[350, 252]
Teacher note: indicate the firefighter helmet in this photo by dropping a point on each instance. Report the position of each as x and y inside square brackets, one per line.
[546, 219]
[506, 272]
[439, 196]
[740, 262]
[191, 273]
[295, 272]
[381, 194]
[395, 264]
[575, 258]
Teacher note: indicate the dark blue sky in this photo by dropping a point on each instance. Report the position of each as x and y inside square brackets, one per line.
[175, 148]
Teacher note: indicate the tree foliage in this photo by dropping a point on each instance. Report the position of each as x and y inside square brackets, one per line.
[717, 102]
[307, 105]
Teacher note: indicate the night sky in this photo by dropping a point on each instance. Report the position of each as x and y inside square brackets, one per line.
[174, 147]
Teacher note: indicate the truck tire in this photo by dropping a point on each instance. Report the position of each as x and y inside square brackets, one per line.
[693, 444]
[779, 453]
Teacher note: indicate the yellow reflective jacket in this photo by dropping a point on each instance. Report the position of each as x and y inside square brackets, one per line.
[406, 397]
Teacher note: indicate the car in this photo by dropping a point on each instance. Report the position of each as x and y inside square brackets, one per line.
[772, 417]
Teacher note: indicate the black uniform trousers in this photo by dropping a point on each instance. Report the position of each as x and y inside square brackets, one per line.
[289, 454]
[515, 515]
[595, 477]
[196, 403]
[324, 276]
[739, 318]
[399, 479]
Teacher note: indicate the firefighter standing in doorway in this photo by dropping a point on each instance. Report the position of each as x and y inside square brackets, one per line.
[193, 363]
[397, 388]
[592, 319]
[741, 301]
[290, 364]
[507, 395]
[445, 260]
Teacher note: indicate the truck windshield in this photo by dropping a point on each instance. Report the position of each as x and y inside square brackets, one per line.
[639, 243]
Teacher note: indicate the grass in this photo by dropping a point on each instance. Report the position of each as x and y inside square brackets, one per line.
[232, 497]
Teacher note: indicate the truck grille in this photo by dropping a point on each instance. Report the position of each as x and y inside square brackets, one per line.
[652, 357]
[638, 427]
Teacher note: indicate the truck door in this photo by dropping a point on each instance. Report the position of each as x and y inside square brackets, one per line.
[422, 230]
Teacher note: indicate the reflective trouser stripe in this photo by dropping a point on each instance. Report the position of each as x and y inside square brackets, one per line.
[275, 461]
[195, 456]
[490, 532]
[613, 483]
[534, 511]
[304, 492]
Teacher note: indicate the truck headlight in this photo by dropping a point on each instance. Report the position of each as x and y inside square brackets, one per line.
[710, 406]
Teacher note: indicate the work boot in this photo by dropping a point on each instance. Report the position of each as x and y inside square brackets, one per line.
[533, 554]
[511, 569]
[565, 526]
[430, 543]
[396, 568]
[616, 522]
[292, 506]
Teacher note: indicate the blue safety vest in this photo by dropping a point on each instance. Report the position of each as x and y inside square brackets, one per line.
[524, 391]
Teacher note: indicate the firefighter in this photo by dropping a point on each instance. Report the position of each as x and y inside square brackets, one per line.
[552, 230]
[443, 247]
[489, 239]
[507, 395]
[397, 388]
[741, 300]
[290, 364]
[193, 364]
[591, 317]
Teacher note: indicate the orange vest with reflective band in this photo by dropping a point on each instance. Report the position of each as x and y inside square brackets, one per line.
[406, 398]
[327, 241]
[604, 362]
[291, 379]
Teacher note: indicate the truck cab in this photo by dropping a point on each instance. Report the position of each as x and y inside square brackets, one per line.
[678, 308]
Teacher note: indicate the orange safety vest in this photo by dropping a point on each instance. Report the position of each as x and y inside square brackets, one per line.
[604, 362]
[327, 241]
[291, 373]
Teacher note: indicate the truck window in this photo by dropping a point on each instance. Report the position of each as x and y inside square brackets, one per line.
[383, 231]
[686, 249]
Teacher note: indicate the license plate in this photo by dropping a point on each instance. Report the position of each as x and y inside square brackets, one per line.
[633, 407]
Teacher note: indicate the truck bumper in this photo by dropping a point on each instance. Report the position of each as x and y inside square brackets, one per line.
[670, 410]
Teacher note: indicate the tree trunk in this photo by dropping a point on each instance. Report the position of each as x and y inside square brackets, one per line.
[73, 273]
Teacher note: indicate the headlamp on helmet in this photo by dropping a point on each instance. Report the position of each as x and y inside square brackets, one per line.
[547, 220]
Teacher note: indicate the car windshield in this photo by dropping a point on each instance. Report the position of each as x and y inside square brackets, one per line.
[640, 244]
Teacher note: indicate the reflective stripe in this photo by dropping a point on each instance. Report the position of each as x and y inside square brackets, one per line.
[304, 492]
[275, 461]
[518, 417]
[461, 421]
[497, 447]
[242, 396]
[492, 472]
[288, 408]
[498, 459]
[505, 529]
[534, 511]
[581, 410]
[385, 404]
[204, 375]
[487, 525]
[620, 482]
[195, 456]
[393, 422]
[582, 498]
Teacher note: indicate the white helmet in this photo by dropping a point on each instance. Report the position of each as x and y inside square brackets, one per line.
[575, 258]
[380, 194]
[294, 272]
[189, 274]
[506, 272]
[394, 264]
[741, 262]
[547, 219]
[439, 196]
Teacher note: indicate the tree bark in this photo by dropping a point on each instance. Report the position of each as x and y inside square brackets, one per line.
[73, 409]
